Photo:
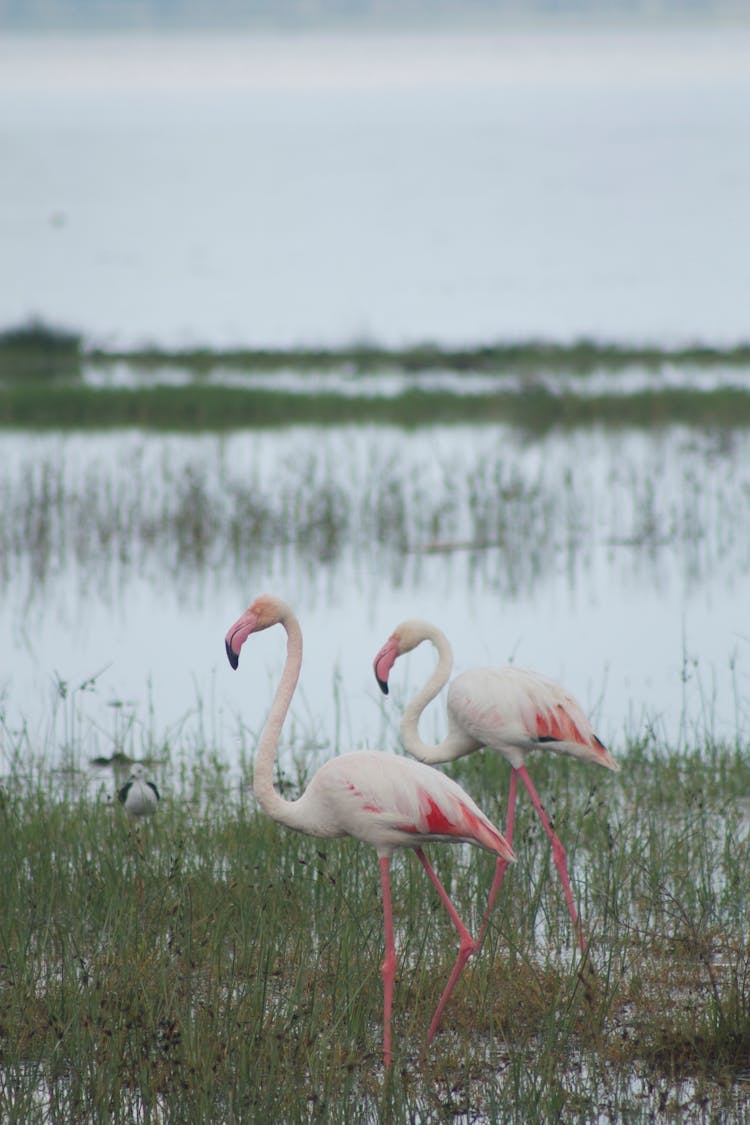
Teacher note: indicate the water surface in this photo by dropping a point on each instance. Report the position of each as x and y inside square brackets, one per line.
[282, 190]
[617, 563]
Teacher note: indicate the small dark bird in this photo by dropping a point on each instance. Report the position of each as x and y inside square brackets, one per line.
[138, 796]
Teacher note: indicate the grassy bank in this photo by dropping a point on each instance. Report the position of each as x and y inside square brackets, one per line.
[194, 408]
[36, 348]
[579, 356]
[42, 386]
[224, 969]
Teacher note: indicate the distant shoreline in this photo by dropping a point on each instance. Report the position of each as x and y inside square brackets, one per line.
[37, 346]
[537, 385]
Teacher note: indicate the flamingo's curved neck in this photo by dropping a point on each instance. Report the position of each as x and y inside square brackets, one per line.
[287, 812]
[453, 746]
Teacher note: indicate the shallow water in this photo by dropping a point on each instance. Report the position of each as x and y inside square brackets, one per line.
[617, 563]
[283, 190]
[391, 381]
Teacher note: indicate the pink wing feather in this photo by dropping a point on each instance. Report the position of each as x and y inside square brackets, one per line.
[514, 711]
[382, 798]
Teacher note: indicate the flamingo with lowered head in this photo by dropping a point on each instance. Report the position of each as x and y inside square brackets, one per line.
[376, 797]
[510, 710]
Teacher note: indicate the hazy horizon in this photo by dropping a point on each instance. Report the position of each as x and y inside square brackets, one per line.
[331, 15]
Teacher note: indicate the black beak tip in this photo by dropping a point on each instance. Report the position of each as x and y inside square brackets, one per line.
[232, 656]
[383, 684]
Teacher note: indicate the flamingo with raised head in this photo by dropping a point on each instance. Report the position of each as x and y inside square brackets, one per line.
[510, 710]
[377, 797]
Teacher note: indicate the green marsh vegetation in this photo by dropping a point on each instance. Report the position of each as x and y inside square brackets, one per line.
[193, 408]
[42, 386]
[37, 351]
[220, 968]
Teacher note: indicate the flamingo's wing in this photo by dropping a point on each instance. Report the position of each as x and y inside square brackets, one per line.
[514, 711]
[391, 801]
[445, 810]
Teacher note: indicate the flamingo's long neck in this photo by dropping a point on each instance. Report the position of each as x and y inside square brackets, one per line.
[287, 812]
[454, 744]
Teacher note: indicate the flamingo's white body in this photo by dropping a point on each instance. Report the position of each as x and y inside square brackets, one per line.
[510, 710]
[376, 797]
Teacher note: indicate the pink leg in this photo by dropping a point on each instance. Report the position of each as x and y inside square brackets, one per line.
[502, 864]
[389, 964]
[465, 950]
[558, 854]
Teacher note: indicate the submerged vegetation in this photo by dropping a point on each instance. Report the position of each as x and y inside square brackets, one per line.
[217, 967]
[43, 384]
[103, 510]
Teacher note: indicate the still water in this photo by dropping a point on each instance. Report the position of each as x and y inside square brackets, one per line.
[283, 190]
[618, 563]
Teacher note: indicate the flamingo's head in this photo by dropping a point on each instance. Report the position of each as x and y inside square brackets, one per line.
[264, 612]
[403, 639]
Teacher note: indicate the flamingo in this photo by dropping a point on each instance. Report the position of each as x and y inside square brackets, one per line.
[383, 800]
[510, 710]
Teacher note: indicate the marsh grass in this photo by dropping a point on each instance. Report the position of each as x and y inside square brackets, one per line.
[581, 355]
[195, 407]
[215, 967]
[105, 509]
[42, 368]
[37, 338]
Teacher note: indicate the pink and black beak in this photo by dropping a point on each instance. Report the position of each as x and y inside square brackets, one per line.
[237, 636]
[232, 656]
[384, 661]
